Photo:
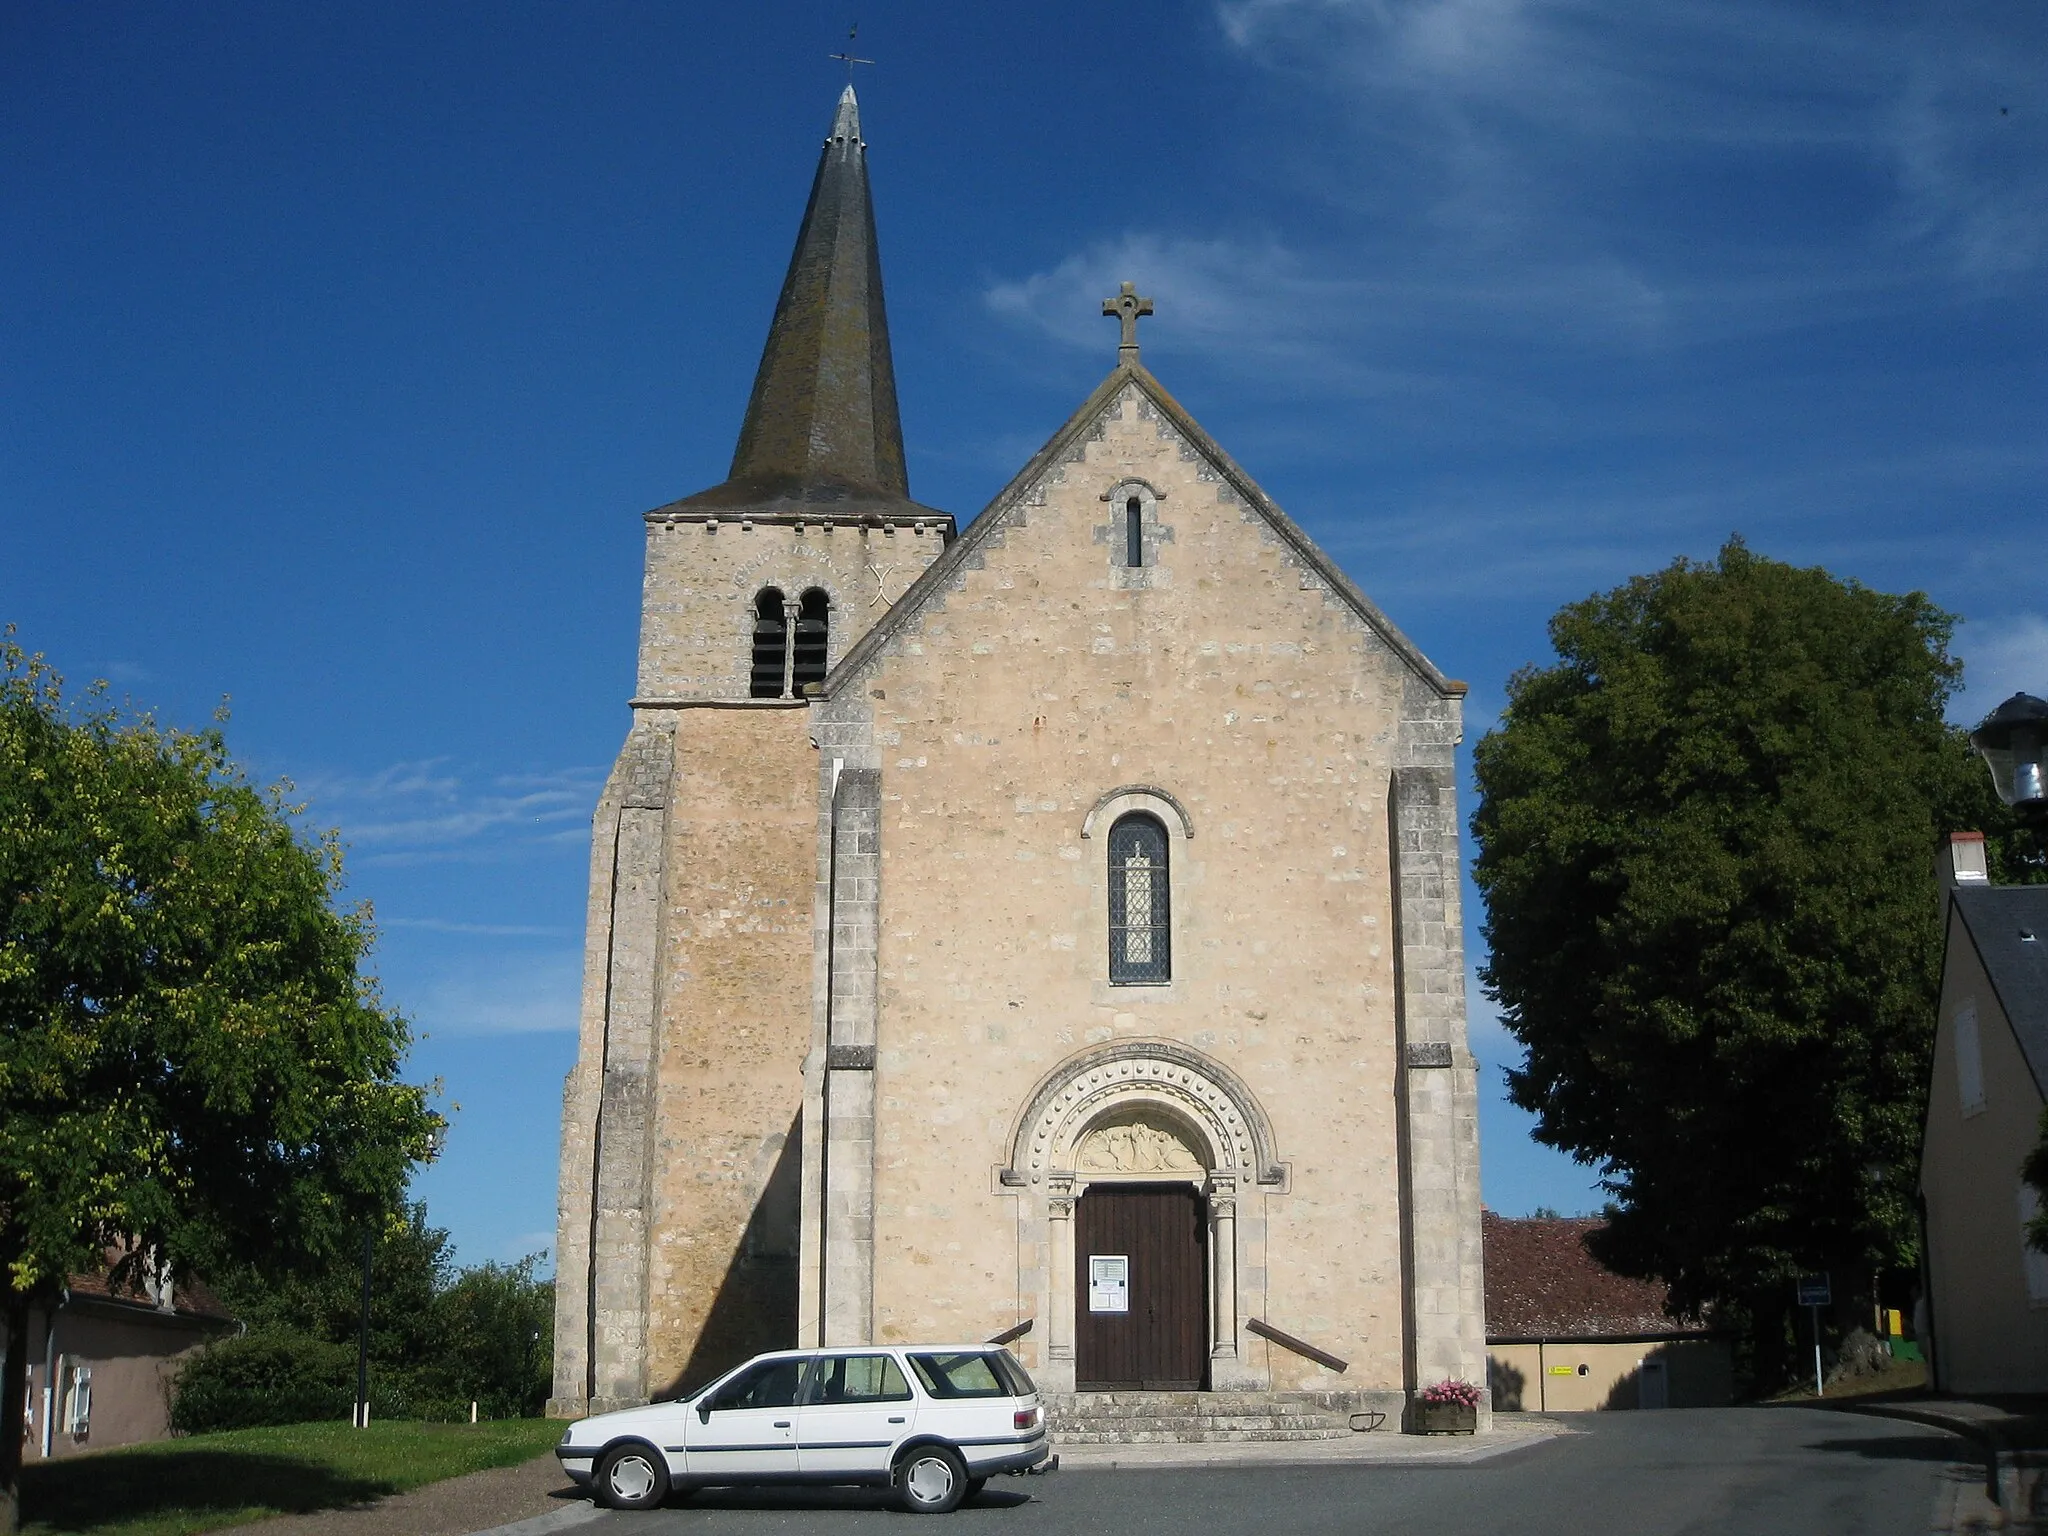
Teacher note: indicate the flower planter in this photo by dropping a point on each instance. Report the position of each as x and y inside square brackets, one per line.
[1445, 1419]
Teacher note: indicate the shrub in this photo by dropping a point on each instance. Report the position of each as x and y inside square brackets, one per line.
[268, 1376]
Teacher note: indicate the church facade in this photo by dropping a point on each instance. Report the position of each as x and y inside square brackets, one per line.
[1045, 931]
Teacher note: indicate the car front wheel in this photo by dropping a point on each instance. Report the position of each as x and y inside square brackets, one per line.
[931, 1480]
[632, 1477]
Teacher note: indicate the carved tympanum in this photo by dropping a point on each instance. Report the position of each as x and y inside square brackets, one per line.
[1135, 1146]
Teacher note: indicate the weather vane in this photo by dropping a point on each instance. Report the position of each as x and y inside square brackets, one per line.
[847, 57]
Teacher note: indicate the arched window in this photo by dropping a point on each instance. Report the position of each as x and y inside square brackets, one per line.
[771, 642]
[1134, 533]
[1140, 935]
[812, 623]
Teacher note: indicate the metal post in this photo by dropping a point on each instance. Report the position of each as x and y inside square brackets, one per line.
[1819, 1388]
[363, 1338]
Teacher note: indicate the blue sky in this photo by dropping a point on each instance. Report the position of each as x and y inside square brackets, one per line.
[345, 346]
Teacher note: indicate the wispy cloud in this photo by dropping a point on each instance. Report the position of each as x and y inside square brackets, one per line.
[479, 930]
[1585, 175]
[437, 811]
[524, 993]
[1507, 118]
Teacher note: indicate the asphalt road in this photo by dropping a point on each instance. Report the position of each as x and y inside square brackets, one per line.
[1727, 1471]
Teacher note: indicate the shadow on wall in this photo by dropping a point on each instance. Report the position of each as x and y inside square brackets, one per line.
[1590, 1375]
[755, 1308]
[1627, 1391]
[1507, 1385]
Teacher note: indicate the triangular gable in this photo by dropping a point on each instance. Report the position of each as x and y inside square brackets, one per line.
[939, 575]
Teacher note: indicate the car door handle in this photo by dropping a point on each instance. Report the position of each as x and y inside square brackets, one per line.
[896, 1419]
[782, 1423]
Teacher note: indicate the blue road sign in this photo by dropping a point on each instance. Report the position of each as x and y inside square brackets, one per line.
[1814, 1291]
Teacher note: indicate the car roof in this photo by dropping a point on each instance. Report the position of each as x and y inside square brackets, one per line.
[869, 1349]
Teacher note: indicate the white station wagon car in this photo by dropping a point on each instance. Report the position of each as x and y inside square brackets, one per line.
[933, 1422]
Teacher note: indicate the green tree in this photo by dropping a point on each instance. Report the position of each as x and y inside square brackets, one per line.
[440, 1337]
[1705, 843]
[192, 1061]
[495, 1331]
[410, 1264]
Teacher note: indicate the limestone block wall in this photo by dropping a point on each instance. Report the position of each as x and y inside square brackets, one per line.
[1225, 672]
[703, 573]
[735, 1026]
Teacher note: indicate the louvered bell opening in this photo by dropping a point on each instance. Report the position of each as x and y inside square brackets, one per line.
[812, 634]
[771, 642]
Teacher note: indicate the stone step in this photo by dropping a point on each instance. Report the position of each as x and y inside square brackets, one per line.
[1233, 1412]
[1143, 1418]
[1190, 1436]
[1223, 1424]
[1090, 1404]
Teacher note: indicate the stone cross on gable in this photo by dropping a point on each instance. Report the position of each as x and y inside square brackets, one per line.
[1127, 306]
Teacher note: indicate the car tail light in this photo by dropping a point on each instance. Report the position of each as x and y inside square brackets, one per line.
[1025, 1418]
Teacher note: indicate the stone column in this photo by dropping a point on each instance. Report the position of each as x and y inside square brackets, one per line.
[1060, 1298]
[1223, 1267]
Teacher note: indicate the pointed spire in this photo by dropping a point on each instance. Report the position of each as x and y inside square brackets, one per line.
[846, 122]
[822, 424]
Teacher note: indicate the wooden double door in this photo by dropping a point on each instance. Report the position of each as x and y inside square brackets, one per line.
[1142, 1324]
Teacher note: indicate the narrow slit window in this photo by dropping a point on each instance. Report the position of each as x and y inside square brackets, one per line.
[812, 632]
[1134, 533]
[771, 643]
[1140, 936]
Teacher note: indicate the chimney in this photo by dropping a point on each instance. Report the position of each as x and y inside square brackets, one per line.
[1961, 861]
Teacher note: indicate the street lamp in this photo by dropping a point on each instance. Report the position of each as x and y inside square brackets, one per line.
[2011, 741]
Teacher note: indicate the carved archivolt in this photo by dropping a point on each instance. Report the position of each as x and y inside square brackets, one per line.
[1157, 1105]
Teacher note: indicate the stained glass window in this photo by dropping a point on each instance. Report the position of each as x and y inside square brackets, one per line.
[1140, 939]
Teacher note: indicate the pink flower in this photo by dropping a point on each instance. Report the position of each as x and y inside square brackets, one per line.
[1445, 1393]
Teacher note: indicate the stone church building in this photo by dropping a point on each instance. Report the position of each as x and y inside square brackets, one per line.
[1047, 930]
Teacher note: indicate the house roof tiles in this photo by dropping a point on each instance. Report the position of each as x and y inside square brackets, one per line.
[2008, 924]
[1542, 1282]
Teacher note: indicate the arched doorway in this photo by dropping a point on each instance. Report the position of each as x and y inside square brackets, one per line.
[1141, 1253]
[1140, 1151]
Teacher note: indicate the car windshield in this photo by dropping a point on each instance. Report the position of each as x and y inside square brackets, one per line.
[979, 1374]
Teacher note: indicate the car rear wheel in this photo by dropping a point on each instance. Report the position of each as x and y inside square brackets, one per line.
[931, 1481]
[632, 1477]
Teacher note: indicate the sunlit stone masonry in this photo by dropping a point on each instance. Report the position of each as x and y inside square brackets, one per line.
[1045, 931]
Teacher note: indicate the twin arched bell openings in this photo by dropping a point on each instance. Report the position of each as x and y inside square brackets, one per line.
[782, 669]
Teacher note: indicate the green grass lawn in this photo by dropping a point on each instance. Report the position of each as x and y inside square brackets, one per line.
[207, 1482]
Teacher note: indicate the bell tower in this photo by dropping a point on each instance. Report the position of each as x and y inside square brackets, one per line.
[817, 504]
[681, 1127]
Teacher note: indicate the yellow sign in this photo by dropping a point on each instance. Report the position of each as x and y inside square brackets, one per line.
[1560, 1370]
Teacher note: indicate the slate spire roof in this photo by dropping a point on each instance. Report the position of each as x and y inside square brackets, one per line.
[822, 424]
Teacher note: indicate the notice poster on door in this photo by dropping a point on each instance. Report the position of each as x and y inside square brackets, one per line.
[1109, 1282]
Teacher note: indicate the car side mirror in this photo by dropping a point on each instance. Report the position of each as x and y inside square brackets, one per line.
[704, 1411]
